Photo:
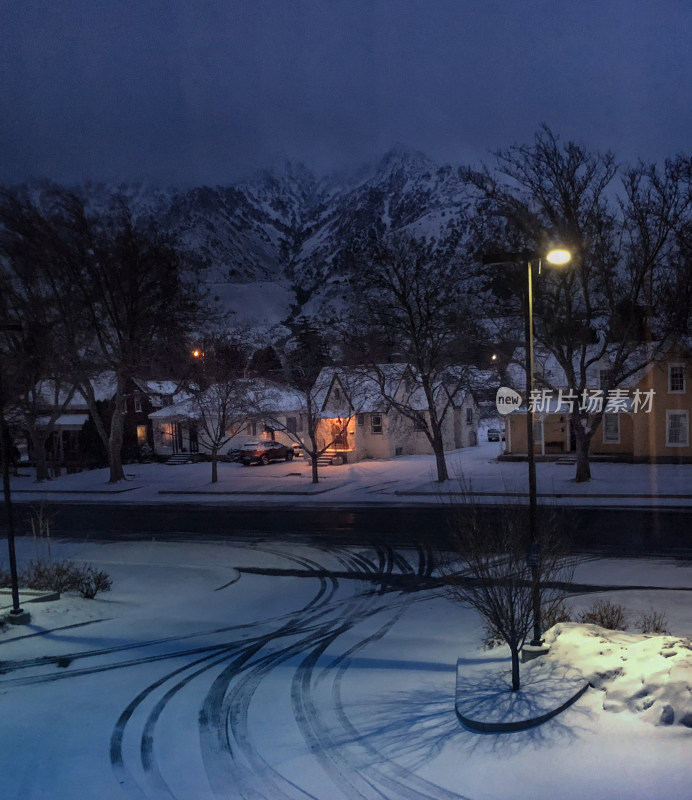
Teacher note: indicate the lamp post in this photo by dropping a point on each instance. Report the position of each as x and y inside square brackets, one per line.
[557, 257]
[17, 615]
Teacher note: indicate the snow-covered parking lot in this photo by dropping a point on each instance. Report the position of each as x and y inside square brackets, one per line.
[201, 676]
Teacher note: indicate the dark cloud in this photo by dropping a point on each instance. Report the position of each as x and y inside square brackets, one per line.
[173, 91]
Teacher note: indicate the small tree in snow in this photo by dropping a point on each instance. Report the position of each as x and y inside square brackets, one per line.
[220, 411]
[490, 572]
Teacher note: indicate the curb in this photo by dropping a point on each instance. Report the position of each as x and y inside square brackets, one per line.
[479, 726]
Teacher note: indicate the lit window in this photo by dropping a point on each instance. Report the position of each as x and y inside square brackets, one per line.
[676, 378]
[376, 423]
[611, 428]
[141, 435]
[677, 429]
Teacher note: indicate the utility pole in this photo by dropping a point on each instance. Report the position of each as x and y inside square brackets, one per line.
[17, 615]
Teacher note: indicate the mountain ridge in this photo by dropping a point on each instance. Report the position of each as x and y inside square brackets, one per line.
[288, 231]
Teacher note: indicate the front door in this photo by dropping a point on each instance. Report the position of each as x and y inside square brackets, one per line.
[194, 441]
[339, 436]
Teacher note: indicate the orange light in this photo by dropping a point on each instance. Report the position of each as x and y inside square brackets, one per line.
[197, 353]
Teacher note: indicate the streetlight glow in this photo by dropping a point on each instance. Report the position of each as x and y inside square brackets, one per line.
[558, 256]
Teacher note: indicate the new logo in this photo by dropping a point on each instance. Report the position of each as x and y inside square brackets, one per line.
[507, 400]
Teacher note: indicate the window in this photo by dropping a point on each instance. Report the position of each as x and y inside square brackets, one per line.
[138, 402]
[469, 416]
[611, 428]
[676, 378]
[604, 376]
[360, 419]
[376, 423]
[141, 435]
[292, 424]
[677, 429]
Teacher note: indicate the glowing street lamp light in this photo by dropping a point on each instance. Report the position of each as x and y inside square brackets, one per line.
[556, 257]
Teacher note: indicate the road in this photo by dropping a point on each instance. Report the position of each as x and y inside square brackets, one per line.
[614, 531]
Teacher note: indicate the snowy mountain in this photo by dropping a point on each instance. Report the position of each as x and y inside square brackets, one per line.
[276, 245]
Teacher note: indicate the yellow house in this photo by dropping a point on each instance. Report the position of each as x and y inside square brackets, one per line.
[647, 417]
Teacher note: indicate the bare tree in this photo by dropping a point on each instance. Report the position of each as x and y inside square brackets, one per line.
[49, 327]
[490, 571]
[137, 304]
[220, 411]
[305, 354]
[304, 405]
[623, 230]
[412, 303]
[114, 284]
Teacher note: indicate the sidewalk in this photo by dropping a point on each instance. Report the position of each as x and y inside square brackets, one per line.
[476, 474]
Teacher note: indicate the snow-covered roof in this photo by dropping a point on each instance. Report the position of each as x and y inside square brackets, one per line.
[155, 390]
[549, 372]
[366, 389]
[68, 422]
[254, 397]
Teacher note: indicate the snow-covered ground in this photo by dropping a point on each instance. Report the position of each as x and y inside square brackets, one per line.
[198, 676]
[403, 480]
[201, 676]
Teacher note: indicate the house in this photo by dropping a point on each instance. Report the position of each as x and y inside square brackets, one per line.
[74, 442]
[183, 427]
[646, 416]
[143, 397]
[359, 423]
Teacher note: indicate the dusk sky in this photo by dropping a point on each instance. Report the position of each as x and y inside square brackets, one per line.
[188, 92]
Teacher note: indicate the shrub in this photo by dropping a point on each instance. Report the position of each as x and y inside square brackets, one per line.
[91, 581]
[66, 576]
[652, 622]
[606, 614]
[559, 612]
[48, 576]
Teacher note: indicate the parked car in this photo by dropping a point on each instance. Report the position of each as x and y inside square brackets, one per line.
[494, 435]
[264, 452]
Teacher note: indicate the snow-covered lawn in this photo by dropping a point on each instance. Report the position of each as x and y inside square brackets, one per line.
[194, 678]
[409, 479]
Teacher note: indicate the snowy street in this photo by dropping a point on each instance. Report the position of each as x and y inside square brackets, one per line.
[205, 673]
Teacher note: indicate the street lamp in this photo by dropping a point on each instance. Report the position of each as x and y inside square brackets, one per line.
[556, 257]
[17, 615]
